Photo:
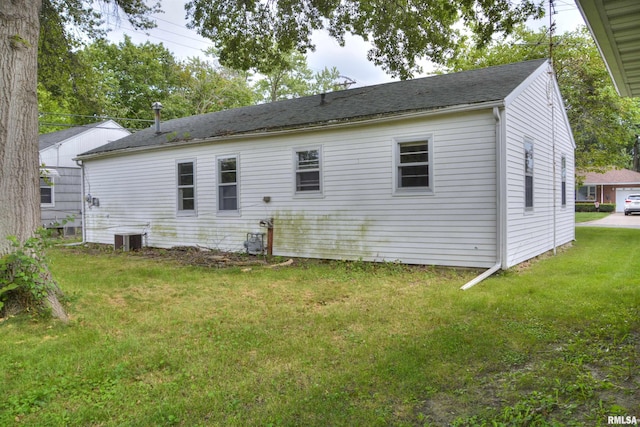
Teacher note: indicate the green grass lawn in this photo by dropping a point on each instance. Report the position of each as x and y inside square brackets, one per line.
[590, 216]
[154, 343]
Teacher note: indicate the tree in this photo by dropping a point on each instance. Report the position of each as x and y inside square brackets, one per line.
[54, 114]
[19, 171]
[127, 78]
[259, 34]
[602, 122]
[293, 79]
[65, 27]
[204, 87]
[19, 176]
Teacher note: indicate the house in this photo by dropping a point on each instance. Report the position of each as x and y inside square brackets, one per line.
[612, 186]
[615, 29]
[60, 175]
[465, 169]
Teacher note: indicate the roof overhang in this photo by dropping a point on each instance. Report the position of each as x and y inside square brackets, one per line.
[311, 127]
[615, 26]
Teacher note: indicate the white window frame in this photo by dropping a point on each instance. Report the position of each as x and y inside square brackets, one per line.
[588, 193]
[297, 170]
[51, 186]
[398, 189]
[529, 171]
[186, 212]
[563, 181]
[220, 185]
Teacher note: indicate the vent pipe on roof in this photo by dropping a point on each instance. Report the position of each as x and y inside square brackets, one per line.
[156, 110]
[322, 101]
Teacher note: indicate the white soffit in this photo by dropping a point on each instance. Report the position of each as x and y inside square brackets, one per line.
[615, 26]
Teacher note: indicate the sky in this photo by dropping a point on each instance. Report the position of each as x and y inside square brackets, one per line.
[351, 60]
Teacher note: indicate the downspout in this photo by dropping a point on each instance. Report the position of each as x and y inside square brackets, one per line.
[82, 203]
[500, 202]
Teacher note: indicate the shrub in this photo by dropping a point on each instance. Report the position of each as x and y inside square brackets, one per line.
[591, 207]
[25, 281]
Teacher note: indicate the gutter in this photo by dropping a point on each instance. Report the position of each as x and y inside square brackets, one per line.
[500, 202]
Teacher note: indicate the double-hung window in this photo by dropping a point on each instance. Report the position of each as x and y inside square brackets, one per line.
[528, 174]
[46, 191]
[563, 175]
[413, 162]
[308, 165]
[228, 183]
[186, 187]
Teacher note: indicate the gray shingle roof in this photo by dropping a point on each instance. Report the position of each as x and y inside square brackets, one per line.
[423, 94]
[48, 139]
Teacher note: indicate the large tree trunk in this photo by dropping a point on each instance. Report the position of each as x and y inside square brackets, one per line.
[19, 174]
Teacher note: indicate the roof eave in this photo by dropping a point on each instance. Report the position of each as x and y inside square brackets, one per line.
[598, 23]
[307, 127]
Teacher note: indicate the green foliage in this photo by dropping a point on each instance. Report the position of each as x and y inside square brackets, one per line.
[122, 80]
[24, 277]
[293, 79]
[591, 207]
[65, 26]
[603, 123]
[259, 35]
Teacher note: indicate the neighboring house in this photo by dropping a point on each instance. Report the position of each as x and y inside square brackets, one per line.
[467, 169]
[612, 186]
[60, 175]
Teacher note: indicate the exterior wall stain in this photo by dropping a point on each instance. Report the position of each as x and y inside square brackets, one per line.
[162, 230]
[330, 236]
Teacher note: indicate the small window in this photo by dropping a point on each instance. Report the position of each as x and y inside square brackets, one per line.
[528, 174]
[308, 171]
[563, 176]
[46, 191]
[228, 184]
[413, 165]
[186, 187]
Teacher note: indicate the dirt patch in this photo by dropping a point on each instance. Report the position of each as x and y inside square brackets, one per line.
[190, 255]
[186, 255]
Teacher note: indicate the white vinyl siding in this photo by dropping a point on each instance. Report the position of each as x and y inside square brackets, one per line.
[361, 214]
[530, 232]
[63, 153]
[357, 218]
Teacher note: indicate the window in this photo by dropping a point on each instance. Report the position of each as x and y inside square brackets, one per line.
[587, 193]
[413, 166]
[46, 191]
[528, 174]
[563, 175]
[308, 171]
[228, 184]
[186, 187]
